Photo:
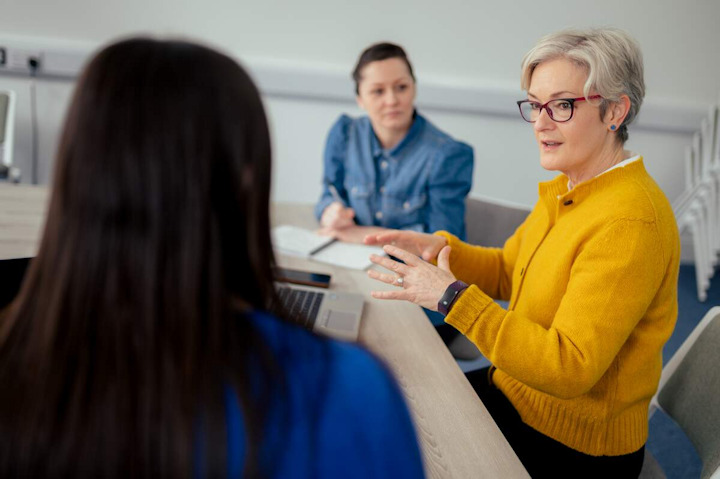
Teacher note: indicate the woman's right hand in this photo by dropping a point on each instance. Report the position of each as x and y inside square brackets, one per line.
[336, 216]
[425, 245]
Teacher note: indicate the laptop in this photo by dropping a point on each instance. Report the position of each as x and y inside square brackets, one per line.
[330, 313]
[12, 272]
[320, 310]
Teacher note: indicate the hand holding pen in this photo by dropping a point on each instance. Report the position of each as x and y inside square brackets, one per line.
[337, 215]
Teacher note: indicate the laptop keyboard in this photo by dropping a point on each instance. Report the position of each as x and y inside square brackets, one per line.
[301, 305]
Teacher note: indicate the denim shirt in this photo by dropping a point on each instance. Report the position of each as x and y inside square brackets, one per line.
[420, 184]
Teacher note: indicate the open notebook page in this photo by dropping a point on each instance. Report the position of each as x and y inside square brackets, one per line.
[348, 255]
[295, 241]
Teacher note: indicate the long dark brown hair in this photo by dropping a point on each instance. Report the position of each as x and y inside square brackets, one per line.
[130, 321]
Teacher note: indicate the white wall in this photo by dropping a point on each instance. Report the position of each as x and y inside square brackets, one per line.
[466, 56]
[478, 41]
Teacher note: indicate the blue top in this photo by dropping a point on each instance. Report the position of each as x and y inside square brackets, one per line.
[420, 184]
[341, 415]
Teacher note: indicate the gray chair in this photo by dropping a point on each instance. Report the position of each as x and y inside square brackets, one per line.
[488, 224]
[689, 392]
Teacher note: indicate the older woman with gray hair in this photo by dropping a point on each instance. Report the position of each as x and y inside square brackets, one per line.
[590, 276]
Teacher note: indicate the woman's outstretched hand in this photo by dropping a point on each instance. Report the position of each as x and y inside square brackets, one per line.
[425, 245]
[419, 281]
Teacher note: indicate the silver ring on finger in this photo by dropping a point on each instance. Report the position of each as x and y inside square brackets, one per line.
[400, 281]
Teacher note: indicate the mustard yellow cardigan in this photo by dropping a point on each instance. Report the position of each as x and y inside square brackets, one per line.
[591, 279]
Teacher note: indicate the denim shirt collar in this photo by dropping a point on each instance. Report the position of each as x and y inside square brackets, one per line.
[417, 126]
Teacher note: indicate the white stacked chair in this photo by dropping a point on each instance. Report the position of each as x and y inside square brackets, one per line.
[697, 210]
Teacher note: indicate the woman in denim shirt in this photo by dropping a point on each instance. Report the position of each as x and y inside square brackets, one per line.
[392, 168]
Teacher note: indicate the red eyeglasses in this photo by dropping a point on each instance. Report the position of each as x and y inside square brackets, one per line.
[559, 110]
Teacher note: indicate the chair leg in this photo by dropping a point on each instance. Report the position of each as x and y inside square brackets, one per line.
[651, 469]
[699, 264]
[700, 214]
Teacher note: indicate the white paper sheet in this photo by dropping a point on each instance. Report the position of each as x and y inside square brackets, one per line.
[295, 241]
[348, 255]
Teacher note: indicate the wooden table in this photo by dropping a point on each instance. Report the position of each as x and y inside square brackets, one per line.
[22, 215]
[458, 437]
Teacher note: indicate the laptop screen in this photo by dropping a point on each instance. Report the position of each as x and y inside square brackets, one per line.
[12, 272]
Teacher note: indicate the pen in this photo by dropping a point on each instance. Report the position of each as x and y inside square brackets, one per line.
[335, 194]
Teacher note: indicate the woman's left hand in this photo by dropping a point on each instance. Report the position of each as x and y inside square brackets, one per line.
[420, 282]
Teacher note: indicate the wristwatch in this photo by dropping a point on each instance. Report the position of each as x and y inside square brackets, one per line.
[451, 294]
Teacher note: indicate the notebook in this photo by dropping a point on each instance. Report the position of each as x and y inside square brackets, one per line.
[295, 241]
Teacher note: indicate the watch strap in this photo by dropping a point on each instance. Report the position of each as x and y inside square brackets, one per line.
[450, 295]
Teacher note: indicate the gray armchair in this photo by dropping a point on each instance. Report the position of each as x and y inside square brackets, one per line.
[488, 224]
[689, 393]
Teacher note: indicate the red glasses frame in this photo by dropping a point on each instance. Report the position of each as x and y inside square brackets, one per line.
[549, 111]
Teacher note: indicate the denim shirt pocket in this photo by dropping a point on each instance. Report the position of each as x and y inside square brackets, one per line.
[358, 191]
[360, 198]
[406, 211]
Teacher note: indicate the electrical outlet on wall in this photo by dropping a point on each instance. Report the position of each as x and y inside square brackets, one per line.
[19, 60]
[23, 58]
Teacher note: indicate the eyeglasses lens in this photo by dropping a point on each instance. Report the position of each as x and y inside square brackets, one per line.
[558, 110]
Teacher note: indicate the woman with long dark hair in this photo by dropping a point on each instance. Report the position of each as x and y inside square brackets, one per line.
[139, 345]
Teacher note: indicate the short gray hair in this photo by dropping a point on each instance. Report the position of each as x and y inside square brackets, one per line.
[611, 57]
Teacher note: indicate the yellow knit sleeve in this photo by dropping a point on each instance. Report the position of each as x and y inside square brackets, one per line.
[490, 269]
[613, 280]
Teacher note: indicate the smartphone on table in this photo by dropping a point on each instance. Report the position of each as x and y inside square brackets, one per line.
[306, 278]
